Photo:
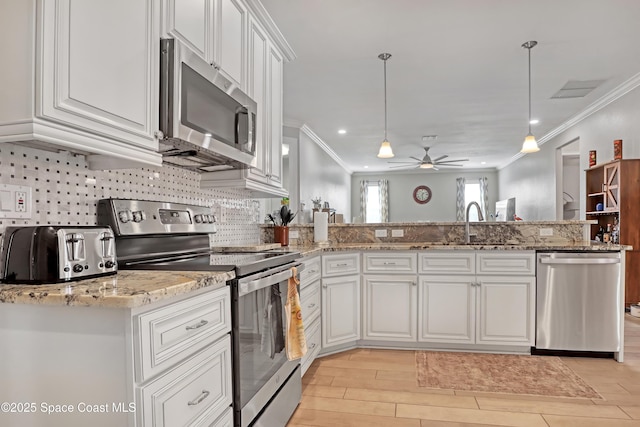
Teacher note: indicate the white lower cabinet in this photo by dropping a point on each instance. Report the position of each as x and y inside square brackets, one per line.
[468, 307]
[183, 361]
[311, 305]
[506, 310]
[447, 309]
[390, 307]
[340, 310]
[162, 364]
[476, 309]
[194, 393]
[314, 344]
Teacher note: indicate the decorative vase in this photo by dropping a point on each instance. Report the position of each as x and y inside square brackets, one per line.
[281, 235]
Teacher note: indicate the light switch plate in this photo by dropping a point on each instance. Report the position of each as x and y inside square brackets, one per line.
[294, 234]
[381, 233]
[15, 201]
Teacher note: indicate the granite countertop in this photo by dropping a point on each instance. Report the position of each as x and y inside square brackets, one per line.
[126, 289]
[317, 249]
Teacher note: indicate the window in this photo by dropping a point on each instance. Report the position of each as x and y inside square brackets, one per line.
[472, 194]
[373, 211]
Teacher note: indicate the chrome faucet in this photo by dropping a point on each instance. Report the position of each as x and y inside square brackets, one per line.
[467, 237]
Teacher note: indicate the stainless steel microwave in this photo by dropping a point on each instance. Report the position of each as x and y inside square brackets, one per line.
[207, 123]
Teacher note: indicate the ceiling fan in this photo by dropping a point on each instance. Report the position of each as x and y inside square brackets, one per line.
[427, 163]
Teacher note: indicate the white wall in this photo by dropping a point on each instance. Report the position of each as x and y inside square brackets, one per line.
[318, 174]
[442, 207]
[532, 178]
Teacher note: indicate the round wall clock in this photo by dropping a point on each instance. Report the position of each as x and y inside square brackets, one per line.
[422, 194]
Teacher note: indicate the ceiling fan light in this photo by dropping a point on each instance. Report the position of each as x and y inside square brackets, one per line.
[385, 150]
[530, 145]
[426, 165]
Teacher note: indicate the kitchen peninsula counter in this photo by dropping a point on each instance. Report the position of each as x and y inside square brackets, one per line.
[126, 289]
[318, 249]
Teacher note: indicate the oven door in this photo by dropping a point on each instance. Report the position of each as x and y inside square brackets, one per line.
[263, 376]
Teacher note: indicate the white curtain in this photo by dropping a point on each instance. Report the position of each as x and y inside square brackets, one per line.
[484, 196]
[384, 200]
[382, 203]
[363, 201]
[460, 183]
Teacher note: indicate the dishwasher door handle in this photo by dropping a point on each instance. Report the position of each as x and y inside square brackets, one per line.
[579, 261]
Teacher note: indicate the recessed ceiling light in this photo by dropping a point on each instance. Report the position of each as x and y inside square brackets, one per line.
[342, 131]
[366, 167]
[534, 121]
[483, 163]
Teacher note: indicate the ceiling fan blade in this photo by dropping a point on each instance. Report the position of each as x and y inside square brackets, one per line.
[446, 165]
[435, 168]
[401, 162]
[415, 158]
[440, 158]
[454, 161]
[401, 166]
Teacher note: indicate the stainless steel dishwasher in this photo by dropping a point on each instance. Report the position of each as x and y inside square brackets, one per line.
[579, 302]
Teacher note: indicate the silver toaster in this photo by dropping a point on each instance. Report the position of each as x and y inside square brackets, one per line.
[54, 254]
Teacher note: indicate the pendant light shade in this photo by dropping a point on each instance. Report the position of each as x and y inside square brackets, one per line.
[530, 145]
[385, 151]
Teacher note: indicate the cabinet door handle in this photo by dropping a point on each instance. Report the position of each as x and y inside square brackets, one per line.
[199, 399]
[312, 346]
[344, 264]
[311, 305]
[389, 263]
[324, 285]
[200, 324]
[414, 283]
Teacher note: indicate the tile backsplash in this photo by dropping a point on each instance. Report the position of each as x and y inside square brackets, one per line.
[64, 191]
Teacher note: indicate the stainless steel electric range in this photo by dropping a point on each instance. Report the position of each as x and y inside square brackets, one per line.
[152, 235]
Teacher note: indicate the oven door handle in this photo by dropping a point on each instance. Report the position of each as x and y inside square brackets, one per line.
[263, 282]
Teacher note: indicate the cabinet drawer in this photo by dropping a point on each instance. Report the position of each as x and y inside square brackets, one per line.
[195, 392]
[310, 300]
[337, 265]
[311, 271]
[444, 262]
[225, 420]
[171, 333]
[389, 262]
[314, 341]
[508, 263]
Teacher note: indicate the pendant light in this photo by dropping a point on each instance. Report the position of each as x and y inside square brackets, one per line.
[385, 148]
[530, 145]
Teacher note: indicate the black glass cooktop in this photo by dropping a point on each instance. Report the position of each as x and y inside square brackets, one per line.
[244, 263]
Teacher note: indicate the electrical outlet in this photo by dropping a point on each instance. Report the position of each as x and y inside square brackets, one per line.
[381, 233]
[21, 201]
[546, 232]
[293, 234]
[397, 233]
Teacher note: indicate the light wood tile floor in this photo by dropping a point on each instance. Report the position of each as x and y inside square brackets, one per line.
[377, 388]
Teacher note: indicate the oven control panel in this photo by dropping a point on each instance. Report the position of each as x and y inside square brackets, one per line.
[137, 217]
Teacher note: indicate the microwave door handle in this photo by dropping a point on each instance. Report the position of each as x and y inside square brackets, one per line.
[240, 110]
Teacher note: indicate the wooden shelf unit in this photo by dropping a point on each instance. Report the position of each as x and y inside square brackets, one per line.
[616, 185]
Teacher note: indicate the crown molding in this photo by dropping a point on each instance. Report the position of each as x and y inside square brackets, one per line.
[272, 29]
[320, 143]
[596, 106]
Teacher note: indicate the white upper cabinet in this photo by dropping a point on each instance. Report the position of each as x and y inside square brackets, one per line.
[216, 30]
[95, 65]
[191, 22]
[230, 40]
[261, 76]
